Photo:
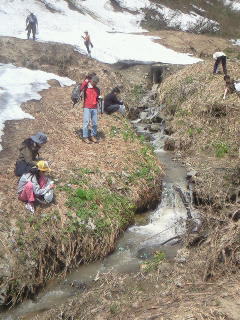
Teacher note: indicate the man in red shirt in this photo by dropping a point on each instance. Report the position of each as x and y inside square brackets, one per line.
[90, 113]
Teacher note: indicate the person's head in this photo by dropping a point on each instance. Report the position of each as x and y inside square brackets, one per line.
[89, 76]
[227, 78]
[86, 33]
[39, 138]
[115, 91]
[43, 167]
[94, 81]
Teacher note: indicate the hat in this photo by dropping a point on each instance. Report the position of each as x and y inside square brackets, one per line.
[39, 138]
[43, 166]
[95, 79]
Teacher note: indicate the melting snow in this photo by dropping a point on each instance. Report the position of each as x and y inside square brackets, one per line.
[109, 30]
[18, 85]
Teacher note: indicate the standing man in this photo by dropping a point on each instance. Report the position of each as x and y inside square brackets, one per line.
[220, 57]
[90, 111]
[87, 42]
[31, 25]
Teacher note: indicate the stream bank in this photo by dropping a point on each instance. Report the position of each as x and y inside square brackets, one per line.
[154, 231]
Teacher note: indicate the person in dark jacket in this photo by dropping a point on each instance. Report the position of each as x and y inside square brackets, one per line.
[31, 25]
[112, 104]
[90, 112]
[29, 153]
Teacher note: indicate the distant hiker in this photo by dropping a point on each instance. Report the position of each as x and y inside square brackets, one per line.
[29, 153]
[87, 42]
[31, 25]
[35, 185]
[230, 86]
[90, 113]
[220, 57]
[112, 104]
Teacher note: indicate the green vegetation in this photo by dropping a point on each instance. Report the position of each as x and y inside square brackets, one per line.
[154, 263]
[221, 148]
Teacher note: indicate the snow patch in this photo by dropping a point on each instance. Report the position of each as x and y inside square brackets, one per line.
[18, 85]
[110, 31]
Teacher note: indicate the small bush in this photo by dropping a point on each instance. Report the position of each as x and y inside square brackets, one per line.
[221, 149]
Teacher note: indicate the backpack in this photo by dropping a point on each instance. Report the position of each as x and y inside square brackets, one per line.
[76, 94]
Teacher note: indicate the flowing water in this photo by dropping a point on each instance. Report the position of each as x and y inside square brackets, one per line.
[139, 242]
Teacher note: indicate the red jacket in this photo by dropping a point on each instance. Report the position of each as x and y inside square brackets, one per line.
[91, 95]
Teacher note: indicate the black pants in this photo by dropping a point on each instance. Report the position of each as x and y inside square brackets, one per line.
[31, 28]
[223, 60]
[22, 167]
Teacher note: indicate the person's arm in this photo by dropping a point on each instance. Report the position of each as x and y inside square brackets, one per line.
[27, 21]
[37, 190]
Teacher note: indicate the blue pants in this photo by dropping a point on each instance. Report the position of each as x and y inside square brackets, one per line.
[90, 115]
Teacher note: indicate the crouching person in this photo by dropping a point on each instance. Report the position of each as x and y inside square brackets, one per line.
[112, 104]
[36, 185]
[29, 153]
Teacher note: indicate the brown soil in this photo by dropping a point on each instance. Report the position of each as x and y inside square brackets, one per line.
[202, 46]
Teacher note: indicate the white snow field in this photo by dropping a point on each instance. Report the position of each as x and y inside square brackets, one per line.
[115, 35]
[18, 85]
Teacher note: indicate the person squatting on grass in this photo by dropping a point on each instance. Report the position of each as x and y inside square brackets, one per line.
[31, 25]
[220, 57]
[90, 111]
[35, 185]
[230, 86]
[112, 104]
[29, 153]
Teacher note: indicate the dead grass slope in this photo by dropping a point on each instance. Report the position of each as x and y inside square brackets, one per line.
[206, 132]
[99, 186]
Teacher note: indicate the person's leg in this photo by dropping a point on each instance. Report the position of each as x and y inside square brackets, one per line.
[86, 120]
[34, 31]
[112, 108]
[28, 31]
[215, 68]
[122, 109]
[87, 46]
[94, 118]
[224, 64]
[27, 193]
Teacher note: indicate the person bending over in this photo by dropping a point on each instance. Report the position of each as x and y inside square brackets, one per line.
[220, 57]
[36, 185]
[29, 153]
[112, 104]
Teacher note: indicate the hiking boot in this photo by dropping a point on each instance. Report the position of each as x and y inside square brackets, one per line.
[94, 139]
[30, 207]
[86, 140]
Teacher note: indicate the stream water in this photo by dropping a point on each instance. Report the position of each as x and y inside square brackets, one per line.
[138, 243]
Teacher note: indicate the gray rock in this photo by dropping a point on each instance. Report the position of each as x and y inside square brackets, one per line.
[155, 127]
[169, 144]
[143, 115]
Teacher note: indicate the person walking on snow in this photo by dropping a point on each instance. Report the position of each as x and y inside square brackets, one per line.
[87, 42]
[112, 104]
[90, 111]
[36, 185]
[220, 57]
[31, 25]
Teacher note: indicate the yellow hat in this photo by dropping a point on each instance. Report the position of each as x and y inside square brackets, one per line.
[43, 166]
